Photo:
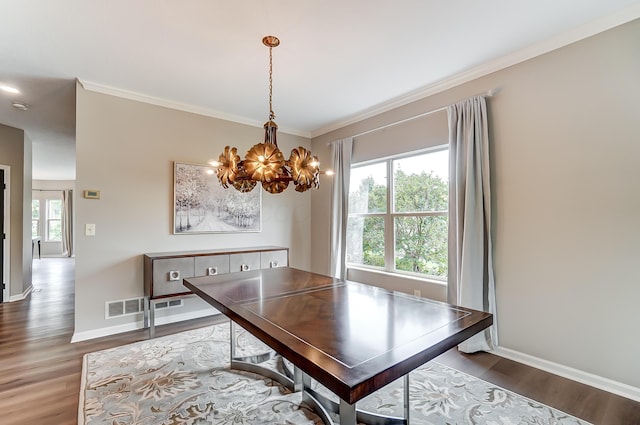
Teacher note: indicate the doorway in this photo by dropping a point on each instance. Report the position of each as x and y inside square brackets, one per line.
[2, 235]
[46, 223]
[5, 252]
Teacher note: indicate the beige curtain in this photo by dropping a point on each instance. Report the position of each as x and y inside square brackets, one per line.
[67, 222]
[471, 279]
[341, 150]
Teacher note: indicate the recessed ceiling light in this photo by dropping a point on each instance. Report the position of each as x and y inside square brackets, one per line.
[9, 89]
[20, 105]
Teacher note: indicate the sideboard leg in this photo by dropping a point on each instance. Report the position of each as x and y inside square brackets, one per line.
[145, 323]
[152, 319]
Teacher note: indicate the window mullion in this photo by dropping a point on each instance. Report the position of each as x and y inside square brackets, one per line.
[42, 218]
[389, 236]
[421, 214]
[46, 221]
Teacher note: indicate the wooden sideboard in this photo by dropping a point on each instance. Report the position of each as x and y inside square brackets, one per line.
[164, 271]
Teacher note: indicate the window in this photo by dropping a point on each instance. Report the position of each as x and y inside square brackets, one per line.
[54, 220]
[35, 218]
[398, 218]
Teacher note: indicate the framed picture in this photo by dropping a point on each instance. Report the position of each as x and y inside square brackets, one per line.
[202, 205]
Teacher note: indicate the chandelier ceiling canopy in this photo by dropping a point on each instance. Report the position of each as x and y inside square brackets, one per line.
[264, 163]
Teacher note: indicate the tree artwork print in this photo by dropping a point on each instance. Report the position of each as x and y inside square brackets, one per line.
[201, 205]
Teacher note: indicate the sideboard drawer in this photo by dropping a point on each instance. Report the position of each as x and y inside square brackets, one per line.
[211, 264]
[164, 271]
[273, 259]
[244, 262]
[168, 274]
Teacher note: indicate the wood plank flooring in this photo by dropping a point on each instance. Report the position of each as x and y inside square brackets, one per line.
[40, 369]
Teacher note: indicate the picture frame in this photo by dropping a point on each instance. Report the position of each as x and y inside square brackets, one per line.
[202, 205]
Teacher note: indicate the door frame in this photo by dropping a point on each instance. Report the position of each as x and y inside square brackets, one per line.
[6, 260]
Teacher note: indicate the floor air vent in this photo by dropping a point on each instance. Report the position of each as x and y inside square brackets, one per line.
[124, 307]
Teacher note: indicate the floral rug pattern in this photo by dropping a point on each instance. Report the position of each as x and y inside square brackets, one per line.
[185, 379]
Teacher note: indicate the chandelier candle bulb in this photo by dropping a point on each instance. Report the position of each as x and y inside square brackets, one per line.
[264, 163]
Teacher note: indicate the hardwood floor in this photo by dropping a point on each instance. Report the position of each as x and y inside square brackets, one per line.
[40, 369]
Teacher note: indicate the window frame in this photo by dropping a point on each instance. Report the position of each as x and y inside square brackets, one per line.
[38, 220]
[48, 220]
[42, 196]
[390, 215]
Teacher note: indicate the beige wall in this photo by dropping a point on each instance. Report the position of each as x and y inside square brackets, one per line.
[126, 150]
[15, 152]
[565, 159]
[419, 133]
[53, 184]
[27, 173]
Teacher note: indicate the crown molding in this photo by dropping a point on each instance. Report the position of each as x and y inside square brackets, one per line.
[553, 43]
[579, 33]
[166, 103]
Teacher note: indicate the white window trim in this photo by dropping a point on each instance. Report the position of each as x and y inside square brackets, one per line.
[389, 216]
[43, 196]
[47, 224]
[397, 273]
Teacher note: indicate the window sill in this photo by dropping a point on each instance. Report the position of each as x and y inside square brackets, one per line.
[398, 275]
[413, 285]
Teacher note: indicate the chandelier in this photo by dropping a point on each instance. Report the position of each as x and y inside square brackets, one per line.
[264, 163]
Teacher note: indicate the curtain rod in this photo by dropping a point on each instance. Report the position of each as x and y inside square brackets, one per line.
[488, 93]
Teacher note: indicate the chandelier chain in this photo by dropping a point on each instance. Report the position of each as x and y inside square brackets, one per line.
[272, 115]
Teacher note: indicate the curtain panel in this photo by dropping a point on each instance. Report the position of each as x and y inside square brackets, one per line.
[67, 222]
[471, 279]
[341, 150]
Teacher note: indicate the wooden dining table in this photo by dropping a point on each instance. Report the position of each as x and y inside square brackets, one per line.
[351, 337]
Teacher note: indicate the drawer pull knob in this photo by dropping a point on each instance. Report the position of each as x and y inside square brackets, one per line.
[273, 264]
[174, 275]
[212, 271]
[244, 268]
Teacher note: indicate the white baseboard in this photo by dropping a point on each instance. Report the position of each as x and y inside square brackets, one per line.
[127, 327]
[577, 375]
[22, 296]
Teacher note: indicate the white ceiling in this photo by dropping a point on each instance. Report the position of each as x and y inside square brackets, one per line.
[339, 60]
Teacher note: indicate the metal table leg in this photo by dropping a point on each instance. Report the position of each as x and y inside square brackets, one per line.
[297, 380]
[347, 413]
[406, 399]
[252, 363]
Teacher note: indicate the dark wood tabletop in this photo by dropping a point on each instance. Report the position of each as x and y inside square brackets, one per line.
[351, 337]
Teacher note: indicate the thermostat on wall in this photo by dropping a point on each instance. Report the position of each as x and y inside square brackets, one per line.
[92, 194]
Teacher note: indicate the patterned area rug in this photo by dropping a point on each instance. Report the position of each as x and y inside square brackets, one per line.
[184, 379]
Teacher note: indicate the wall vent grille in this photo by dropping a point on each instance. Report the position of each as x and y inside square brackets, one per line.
[120, 308]
[169, 304]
